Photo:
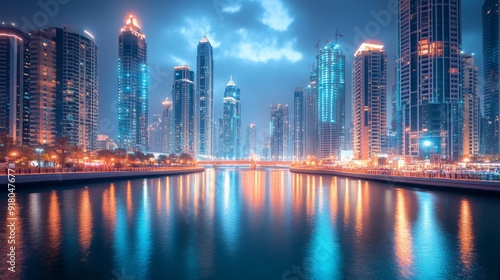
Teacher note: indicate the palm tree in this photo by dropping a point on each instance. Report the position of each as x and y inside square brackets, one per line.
[61, 148]
[6, 145]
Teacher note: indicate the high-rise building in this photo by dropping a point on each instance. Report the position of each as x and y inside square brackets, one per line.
[77, 92]
[64, 87]
[331, 101]
[428, 75]
[251, 140]
[279, 133]
[472, 115]
[14, 84]
[166, 126]
[299, 125]
[491, 66]
[369, 101]
[43, 86]
[220, 138]
[311, 119]
[232, 121]
[155, 135]
[205, 97]
[132, 87]
[184, 111]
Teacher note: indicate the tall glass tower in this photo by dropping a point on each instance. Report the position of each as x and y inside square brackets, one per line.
[184, 111]
[428, 76]
[231, 122]
[132, 88]
[331, 101]
[14, 84]
[205, 97]
[491, 64]
[299, 124]
[369, 101]
[311, 118]
[279, 132]
[78, 92]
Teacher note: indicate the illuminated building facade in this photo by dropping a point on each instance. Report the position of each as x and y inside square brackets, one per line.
[184, 111]
[428, 76]
[279, 131]
[491, 66]
[166, 126]
[331, 101]
[231, 122]
[311, 118]
[369, 101]
[205, 97]
[64, 87]
[472, 115]
[251, 140]
[299, 125]
[132, 88]
[14, 84]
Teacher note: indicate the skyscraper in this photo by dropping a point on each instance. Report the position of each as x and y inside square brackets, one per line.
[311, 119]
[155, 135]
[491, 66]
[428, 76]
[166, 126]
[299, 125]
[64, 87]
[14, 84]
[279, 132]
[205, 97]
[43, 83]
[369, 101]
[472, 115]
[331, 101]
[184, 111]
[232, 122]
[132, 87]
[251, 140]
[77, 92]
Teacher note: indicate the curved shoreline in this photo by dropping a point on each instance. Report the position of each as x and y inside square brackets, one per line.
[429, 183]
[58, 179]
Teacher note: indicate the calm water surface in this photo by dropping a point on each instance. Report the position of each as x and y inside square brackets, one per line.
[252, 224]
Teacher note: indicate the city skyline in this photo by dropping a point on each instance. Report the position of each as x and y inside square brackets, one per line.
[249, 16]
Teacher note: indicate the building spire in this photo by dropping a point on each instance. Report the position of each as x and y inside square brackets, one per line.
[231, 82]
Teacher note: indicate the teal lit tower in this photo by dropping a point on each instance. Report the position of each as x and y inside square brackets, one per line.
[231, 130]
[331, 101]
[205, 99]
[132, 88]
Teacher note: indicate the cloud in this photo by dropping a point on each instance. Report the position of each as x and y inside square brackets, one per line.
[194, 29]
[177, 60]
[231, 8]
[275, 15]
[257, 48]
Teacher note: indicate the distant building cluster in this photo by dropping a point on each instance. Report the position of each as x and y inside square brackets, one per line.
[435, 103]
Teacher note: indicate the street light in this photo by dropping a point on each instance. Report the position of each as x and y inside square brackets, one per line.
[39, 151]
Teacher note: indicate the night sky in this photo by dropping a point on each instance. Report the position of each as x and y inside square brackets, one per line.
[267, 45]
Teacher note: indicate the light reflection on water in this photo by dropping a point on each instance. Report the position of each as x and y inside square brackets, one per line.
[253, 224]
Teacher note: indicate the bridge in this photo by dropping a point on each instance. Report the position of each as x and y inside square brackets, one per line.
[209, 163]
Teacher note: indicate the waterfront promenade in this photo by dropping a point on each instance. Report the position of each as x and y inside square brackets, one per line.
[415, 179]
[59, 176]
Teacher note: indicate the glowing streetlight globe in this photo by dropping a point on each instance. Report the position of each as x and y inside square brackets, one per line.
[427, 143]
